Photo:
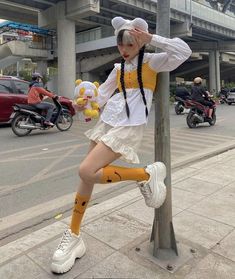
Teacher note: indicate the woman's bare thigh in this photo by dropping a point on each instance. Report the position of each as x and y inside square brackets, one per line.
[91, 146]
[100, 156]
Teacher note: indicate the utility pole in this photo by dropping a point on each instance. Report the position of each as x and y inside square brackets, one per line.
[163, 232]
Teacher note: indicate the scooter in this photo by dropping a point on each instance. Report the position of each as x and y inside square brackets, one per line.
[199, 114]
[181, 105]
[26, 118]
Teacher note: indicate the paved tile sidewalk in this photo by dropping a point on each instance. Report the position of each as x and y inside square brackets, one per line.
[204, 219]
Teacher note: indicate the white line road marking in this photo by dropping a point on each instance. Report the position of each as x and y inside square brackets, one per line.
[37, 146]
[43, 174]
[220, 120]
[47, 169]
[42, 153]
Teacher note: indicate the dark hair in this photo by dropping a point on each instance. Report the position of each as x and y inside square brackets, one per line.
[122, 35]
[139, 76]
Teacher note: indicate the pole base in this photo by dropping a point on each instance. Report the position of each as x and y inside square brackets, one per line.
[155, 234]
[166, 258]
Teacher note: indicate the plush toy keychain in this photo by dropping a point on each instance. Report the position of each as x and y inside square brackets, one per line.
[86, 91]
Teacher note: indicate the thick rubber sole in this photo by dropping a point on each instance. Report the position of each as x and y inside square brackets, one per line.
[67, 265]
[159, 192]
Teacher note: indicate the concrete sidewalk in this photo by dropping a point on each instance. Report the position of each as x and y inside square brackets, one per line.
[204, 221]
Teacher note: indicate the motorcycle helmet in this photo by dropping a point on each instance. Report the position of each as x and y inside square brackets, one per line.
[36, 75]
[197, 80]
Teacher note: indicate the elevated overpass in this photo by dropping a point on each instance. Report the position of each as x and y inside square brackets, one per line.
[20, 40]
[209, 32]
[13, 51]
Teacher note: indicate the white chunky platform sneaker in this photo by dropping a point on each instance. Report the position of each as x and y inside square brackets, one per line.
[70, 248]
[154, 190]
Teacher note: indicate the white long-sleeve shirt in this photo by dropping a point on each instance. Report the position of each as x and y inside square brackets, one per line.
[176, 51]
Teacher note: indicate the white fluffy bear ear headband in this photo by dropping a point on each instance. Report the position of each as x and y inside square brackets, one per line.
[120, 23]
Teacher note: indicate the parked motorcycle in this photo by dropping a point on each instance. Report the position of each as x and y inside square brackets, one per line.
[199, 114]
[181, 105]
[26, 118]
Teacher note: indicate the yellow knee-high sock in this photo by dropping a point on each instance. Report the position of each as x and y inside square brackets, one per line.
[115, 173]
[78, 212]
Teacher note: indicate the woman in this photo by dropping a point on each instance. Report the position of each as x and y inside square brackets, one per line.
[120, 129]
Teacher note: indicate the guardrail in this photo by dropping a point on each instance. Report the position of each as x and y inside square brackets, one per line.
[44, 45]
[203, 12]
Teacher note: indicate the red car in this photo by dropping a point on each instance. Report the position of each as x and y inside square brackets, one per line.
[14, 91]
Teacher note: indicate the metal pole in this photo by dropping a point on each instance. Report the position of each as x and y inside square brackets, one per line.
[17, 69]
[191, 15]
[217, 61]
[163, 232]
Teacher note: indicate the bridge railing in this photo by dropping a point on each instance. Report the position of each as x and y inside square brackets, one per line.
[94, 34]
[203, 12]
[44, 43]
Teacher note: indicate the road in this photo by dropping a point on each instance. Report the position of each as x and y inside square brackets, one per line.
[39, 172]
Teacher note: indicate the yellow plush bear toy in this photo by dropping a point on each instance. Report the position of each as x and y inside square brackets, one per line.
[86, 91]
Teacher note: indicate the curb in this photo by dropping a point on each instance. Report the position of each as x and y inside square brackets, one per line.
[202, 155]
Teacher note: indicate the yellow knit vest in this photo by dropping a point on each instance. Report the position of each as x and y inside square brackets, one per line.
[149, 78]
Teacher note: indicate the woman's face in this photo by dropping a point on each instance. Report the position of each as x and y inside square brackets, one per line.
[128, 48]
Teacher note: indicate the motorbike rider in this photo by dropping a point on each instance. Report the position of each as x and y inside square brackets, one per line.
[201, 95]
[224, 92]
[182, 92]
[36, 94]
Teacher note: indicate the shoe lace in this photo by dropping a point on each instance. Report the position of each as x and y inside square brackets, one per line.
[64, 240]
[145, 190]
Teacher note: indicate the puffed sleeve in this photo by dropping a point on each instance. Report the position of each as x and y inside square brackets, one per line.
[175, 52]
[107, 88]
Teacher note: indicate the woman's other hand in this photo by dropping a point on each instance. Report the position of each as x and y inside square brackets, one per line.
[80, 107]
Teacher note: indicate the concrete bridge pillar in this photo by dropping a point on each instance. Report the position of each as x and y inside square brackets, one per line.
[42, 67]
[66, 57]
[89, 76]
[57, 16]
[214, 71]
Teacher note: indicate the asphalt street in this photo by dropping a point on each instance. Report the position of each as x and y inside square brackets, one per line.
[39, 171]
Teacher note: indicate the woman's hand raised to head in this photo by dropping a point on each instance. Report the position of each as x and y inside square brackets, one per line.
[141, 37]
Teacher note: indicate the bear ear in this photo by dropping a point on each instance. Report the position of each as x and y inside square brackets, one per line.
[117, 22]
[78, 81]
[140, 24]
[96, 83]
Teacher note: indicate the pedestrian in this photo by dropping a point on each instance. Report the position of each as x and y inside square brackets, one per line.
[120, 129]
[224, 92]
